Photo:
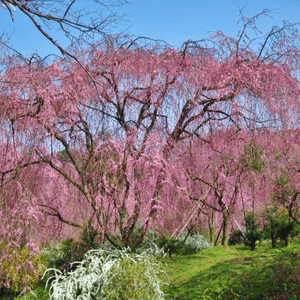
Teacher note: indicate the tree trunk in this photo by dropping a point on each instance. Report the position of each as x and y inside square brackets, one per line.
[287, 240]
[211, 226]
[217, 238]
[225, 237]
[273, 239]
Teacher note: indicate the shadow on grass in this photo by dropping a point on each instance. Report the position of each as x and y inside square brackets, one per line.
[217, 281]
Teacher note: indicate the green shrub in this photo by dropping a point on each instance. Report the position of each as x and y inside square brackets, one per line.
[135, 277]
[253, 233]
[75, 250]
[279, 225]
[149, 245]
[55, 255]
[20, 267]
[170, 244]
[102, 274]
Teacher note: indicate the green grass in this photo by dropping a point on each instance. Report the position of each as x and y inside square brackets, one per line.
[228, 273]
[225, 273]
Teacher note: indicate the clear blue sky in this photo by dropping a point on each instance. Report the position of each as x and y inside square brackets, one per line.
[174, 21]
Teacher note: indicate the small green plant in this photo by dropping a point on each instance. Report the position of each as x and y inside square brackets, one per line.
[252, 158]
[103, 274]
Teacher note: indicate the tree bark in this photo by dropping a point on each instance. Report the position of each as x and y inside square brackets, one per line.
[225, 237]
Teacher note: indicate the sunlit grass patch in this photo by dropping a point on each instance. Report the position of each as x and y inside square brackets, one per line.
[226, 272]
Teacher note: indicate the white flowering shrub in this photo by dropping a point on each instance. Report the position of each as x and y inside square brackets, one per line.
[182, 245]
[193, 244]
[114, 274]
[150, 246]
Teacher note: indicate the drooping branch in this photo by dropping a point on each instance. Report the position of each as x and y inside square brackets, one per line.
[60, 218]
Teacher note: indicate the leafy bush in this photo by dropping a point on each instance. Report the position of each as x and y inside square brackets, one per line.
[20, 268]
[135, 277]
[150, 246]
[74, 250]
[102, 274]
[55, 255]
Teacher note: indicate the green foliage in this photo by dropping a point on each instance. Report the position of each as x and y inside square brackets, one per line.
[20, 267]
[63, 156]
[279, 225]
[150, 245]
[277, 154]
[252, 157]
[105, 273]
[282, 180]
[253, 233]
[55, 254]
[135, 278]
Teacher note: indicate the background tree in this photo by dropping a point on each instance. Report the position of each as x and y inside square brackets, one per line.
[150, 99]
[218, 164]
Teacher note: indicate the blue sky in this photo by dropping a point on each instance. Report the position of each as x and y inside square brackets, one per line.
[173, 21]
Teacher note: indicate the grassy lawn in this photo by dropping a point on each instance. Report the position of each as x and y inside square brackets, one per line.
[225, 273]
[229, 273]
